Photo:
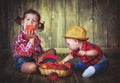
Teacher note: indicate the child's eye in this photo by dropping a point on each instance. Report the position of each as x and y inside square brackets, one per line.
[67, 44]
[34, 20]
[28, 19]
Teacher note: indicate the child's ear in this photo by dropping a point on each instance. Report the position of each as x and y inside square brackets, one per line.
[18, 20]
[41, 26]
[76, 40]
[21, 22]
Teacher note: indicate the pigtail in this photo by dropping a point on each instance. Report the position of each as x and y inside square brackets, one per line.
[18, 20]
[41, 27]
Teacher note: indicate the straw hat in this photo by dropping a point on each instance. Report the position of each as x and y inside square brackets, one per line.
[76, 32]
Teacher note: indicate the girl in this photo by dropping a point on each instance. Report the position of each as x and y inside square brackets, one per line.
[92, 60]
[27, 51]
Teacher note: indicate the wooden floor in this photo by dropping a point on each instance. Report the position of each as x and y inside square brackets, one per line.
[9, 75]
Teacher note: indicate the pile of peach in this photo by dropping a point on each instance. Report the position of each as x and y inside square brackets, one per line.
[55, 66]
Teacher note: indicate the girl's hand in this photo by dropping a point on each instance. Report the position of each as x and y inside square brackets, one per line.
[82, 52]
[39, 60]
[32, 40]
[29, 33]
[29, 30]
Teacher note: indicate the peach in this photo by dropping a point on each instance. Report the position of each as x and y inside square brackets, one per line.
[53, 76]
[30, 28]
[44, 65]
[68, 65]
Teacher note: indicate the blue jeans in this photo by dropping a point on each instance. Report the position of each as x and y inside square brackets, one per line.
[19, 61]
[101, 66]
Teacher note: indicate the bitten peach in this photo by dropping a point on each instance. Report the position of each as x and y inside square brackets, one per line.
[29, 28]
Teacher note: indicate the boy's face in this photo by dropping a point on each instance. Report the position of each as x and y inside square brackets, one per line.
[30, 19]
[72, 44]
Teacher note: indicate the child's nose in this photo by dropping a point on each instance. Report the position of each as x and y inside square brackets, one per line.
[31, 22]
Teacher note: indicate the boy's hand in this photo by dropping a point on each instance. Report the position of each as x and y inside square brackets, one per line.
[62, 62]
[82, 53]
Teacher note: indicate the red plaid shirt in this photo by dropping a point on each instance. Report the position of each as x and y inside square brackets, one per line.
[22, 47]
[89, 60]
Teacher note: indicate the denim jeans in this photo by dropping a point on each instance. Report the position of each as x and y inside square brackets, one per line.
[101, 66]
[19, 61]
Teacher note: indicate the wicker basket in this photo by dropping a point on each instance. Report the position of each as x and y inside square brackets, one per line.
[61, 73]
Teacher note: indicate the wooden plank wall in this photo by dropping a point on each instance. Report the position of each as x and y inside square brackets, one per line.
[4, 38]
[99, 17]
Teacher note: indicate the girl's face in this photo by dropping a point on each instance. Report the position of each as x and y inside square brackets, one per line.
[30, 19]
[72, 44]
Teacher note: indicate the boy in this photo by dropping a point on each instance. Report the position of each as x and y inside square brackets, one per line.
[92, 60]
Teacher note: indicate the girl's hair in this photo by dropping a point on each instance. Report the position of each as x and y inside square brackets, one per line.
[19, 19]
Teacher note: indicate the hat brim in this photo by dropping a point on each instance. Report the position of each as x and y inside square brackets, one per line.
[76, 38]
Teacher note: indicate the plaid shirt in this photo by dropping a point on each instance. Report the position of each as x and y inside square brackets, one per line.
[89, 60]
[22, 47]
